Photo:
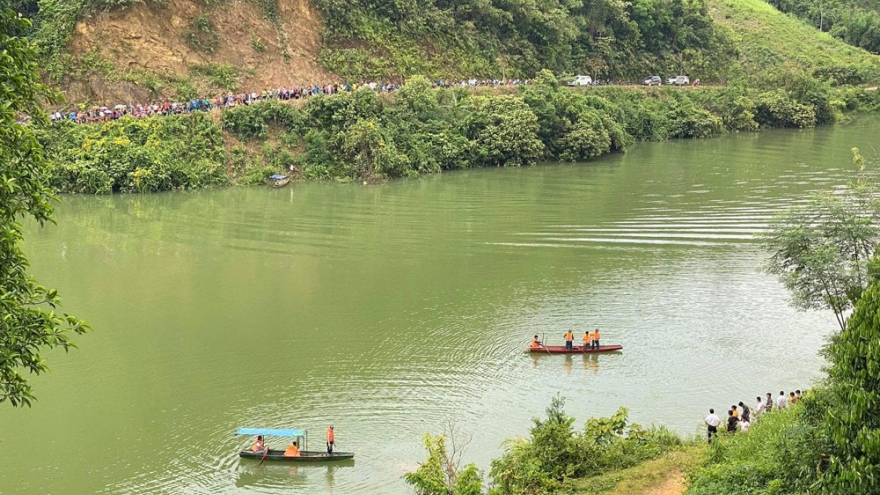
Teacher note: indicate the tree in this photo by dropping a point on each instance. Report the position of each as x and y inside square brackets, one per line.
[28, 323]
[852, 415]
[442, 473]
[821, 251]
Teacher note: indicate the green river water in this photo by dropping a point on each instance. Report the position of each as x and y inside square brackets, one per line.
[391, 310]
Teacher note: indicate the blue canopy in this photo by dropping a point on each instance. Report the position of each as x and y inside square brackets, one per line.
[277, 177]
[272, 432]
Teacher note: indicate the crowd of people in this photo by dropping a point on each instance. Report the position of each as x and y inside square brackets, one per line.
[740, 417]
[103, 114]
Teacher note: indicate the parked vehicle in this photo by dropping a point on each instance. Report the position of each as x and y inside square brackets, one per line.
[581, 81]
[680, 81]
[654, 81]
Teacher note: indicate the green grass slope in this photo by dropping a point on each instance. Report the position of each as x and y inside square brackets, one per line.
[769, 40]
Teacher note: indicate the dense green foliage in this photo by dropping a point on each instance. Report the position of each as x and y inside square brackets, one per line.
[555, 453]
[128, 155]
[851, 410]
[517, 38]
[856, 22]
[419, 129]
[28, 323]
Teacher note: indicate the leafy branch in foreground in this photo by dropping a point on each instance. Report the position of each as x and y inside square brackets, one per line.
[28, 323]
[442, 473]
[821, 251]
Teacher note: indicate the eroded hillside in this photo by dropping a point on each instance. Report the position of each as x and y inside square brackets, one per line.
[185, 46]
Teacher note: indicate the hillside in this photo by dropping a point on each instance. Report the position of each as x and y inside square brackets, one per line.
[193, 47]
[767, 38]
[111, 51]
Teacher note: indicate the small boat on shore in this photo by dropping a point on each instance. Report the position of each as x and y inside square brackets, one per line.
[560, 349]
[279, 180]
[302, 439]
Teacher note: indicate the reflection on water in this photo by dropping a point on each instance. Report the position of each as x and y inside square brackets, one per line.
[390, 310]
[274, 477]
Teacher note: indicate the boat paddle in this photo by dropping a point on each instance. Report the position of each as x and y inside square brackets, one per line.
[545, 345]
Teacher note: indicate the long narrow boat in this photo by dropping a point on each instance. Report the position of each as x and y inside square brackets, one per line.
[560, 349]
[302, 439]
[304, 456]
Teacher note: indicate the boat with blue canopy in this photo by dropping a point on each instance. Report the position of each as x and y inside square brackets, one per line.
[302, 439]
[279, 180]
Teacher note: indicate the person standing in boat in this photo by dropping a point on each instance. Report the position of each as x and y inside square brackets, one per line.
[259, 447]
[588, 340]
[292, 451]
[595, 344]
[331, 440]
[569, 340]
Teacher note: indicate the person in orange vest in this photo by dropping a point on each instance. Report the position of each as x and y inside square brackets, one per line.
[588, 340]
[259, 446]
[331, 440]
[292, 451]
[569, 340]
[595, 344]
[535, 343]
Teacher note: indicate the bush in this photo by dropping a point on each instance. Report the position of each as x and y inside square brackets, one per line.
[128, 155]
[555, 453]
[781, 454]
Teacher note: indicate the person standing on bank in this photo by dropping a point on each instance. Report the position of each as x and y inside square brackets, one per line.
[569, 340]
[712, 421]
[731, 422]
[595, 344]
[747, 413]
[331, 440]
[781, 401]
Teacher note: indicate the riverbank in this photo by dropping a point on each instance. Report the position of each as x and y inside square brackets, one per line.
[365, 136]
[665, 475]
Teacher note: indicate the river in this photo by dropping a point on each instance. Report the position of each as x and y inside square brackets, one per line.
[393, 310]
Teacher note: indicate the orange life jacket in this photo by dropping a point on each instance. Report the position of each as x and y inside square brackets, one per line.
[291, 451]
[569, 336]
[330, 434]
[535, 343]
[587, 338]
[596, 335]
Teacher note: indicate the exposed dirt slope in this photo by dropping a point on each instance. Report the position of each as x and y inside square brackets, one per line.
[157, 38]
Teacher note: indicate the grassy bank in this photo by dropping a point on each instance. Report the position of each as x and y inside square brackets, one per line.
[420, 129]
[665, 475]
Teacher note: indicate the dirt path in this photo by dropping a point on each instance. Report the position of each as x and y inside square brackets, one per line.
[673, 485]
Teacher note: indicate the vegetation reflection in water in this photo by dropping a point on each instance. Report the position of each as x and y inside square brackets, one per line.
[389, 310]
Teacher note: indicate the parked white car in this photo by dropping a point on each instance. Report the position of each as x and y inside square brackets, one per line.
[680, 81]
[653, 81]
[581, 81]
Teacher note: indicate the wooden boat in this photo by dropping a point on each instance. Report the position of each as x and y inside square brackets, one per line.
[281, 182]
[560, 349]
[304, 456]
[302, 439]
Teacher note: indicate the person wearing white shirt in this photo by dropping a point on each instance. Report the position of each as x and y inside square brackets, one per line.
[712, 421]
[759, 408]
[781, 401]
